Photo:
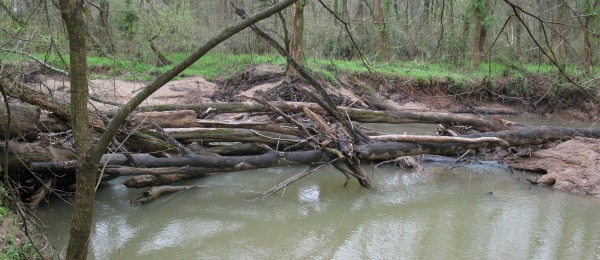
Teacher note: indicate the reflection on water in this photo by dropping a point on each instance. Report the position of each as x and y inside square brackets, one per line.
[475, 211]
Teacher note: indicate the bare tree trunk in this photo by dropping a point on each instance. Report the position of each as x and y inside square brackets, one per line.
[162, 59]
[379, 18]
[481, 8]
[588, 20]
[560, 38]
[297, 32]
[103, 19]
[81, 222]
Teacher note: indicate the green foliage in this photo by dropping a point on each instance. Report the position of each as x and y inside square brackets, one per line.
[16, 251]
[567, 93]
[518, 85]
[459, 84]
[3, 212]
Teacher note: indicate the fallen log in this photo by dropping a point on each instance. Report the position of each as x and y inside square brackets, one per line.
[141, 181]
[437, 139]
[166, 119]
[19, 90]
[155, 192]
[357, 115]
[521, 136]
[24, 120]
[205, 135]
[21, 155]
[371, 151]
[188, 119]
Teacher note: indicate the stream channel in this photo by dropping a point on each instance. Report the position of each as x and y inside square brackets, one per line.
[447, 211]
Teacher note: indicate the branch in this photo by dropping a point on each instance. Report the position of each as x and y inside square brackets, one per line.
[516, 10]
[167, 76]
[328, 105]
[294, 178]
[438, 139]
[360, 54]
[46, 65]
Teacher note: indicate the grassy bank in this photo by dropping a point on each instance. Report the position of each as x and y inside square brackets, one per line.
[13, 243]
[510, 79]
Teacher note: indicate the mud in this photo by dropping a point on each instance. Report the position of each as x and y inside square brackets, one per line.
[572, 166]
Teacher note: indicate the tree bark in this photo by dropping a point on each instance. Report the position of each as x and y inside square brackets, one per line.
[481, 9]
[81, 223]
[297, 32]
[24, 120]
[72, 14]
[380, 24]
[358, 115]
[155, 192]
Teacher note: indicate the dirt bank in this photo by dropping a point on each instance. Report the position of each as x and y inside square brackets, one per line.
[572, 166]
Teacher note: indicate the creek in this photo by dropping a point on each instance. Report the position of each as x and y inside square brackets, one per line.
[448, 211]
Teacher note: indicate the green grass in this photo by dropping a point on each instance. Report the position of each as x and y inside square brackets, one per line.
[215, 64]
[12, 248]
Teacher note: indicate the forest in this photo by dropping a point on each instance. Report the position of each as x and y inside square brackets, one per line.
[151, 93]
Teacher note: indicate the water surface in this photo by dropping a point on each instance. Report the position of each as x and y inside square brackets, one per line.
[479, 211]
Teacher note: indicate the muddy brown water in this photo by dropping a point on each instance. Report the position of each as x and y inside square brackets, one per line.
[476, 211]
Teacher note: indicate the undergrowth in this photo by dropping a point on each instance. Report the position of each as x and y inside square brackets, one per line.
[458, 79]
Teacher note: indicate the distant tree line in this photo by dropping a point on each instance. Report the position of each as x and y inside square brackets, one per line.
[449, 31]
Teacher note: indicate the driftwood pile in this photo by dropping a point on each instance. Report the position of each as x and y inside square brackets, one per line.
[163, 144]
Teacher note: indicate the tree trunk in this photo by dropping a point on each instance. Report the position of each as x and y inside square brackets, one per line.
[162, 59]
[380, 24]
[81, 223]
[561, 32]
[103, 19]
[588, 21]
[297, 32]
[481, 9]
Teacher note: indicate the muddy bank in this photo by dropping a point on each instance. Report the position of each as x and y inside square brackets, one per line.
[572, 166]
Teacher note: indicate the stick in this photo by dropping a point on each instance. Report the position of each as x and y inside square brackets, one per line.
[294, 179]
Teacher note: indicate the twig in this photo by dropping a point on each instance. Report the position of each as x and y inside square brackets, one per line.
[360, 54]
[293, 179]
[48, 66]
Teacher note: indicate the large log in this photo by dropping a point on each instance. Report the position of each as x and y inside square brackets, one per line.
[155, 192]
[166, 119]
[22, 92]
[372, 151]
[21, 154]
[521, 136]
[206, 135]
[358, 115]
[188, 119]
[24, 120]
